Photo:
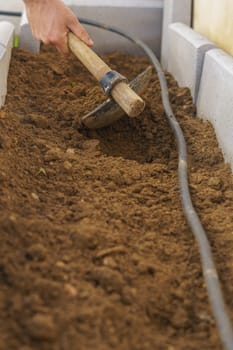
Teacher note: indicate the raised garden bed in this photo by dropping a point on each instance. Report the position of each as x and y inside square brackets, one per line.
[95, 249]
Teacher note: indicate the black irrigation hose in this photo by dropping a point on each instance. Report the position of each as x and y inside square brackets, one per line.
[208, 266]
[10, 13]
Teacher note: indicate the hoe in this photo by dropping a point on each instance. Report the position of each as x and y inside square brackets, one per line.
[123, 98]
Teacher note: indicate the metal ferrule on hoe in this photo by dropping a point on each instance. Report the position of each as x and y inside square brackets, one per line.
[109, 112]
[111, 79]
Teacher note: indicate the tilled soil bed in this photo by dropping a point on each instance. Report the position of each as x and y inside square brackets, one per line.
[95, 250]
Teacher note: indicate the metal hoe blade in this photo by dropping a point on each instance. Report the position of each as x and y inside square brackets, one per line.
[109, 111]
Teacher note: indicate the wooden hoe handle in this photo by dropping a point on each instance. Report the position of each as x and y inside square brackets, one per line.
[127, 99]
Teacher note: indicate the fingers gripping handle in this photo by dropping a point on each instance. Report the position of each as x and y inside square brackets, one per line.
[126, 98]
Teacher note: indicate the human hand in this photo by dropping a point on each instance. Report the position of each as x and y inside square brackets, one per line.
[51, 20]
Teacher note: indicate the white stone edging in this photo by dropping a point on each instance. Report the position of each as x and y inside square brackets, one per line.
[26, 40]
[197, 63]
[186, 55]
[115, 3]
[215, 98]
[173, 11]
[6, 44]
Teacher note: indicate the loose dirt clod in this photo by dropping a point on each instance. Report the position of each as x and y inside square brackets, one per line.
[42, 327]
[95, 252]
[36, 252]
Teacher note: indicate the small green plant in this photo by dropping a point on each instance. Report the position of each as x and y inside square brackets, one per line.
[16, 41]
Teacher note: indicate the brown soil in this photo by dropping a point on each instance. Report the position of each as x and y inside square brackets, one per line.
[95, 250]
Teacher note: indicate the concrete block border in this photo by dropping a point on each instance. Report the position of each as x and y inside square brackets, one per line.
[143, 20]
[6, 44]
[215, 98]
[197, 63]
[27, 41]
[186, 56]
[173, 11]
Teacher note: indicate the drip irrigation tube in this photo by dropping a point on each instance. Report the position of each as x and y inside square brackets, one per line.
[208, 267]
[10, 13]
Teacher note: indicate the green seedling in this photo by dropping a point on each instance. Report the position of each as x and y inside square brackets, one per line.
[16, 41]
